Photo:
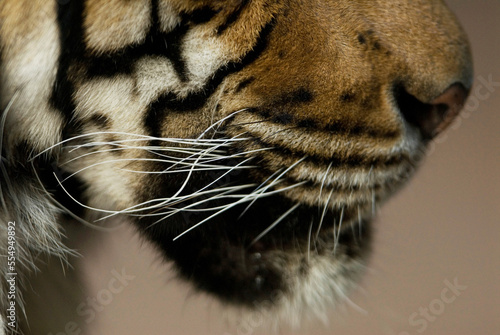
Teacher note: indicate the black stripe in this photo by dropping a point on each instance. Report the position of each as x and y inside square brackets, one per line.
[156, 43]
[278, 115]
[70, 25]
[337, 161]
[244, 84]
[170, 102]
[233, 17]
[200, 15]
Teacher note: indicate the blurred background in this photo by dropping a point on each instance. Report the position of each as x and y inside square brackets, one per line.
[442, 230]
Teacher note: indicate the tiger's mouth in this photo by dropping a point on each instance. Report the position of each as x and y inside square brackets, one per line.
[273, 221]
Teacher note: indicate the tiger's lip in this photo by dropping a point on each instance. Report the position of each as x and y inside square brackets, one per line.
[336, 183]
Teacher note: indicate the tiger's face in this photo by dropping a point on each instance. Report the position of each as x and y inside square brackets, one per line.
[251, 141]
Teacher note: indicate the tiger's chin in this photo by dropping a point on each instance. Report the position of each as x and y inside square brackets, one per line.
[273, 255]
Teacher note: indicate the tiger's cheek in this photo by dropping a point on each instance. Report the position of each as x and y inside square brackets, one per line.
[323, 75]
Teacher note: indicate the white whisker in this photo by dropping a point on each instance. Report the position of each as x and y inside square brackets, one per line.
[360, 224]
[170, 201]
[255, 191]
[275, 223]
[116, 161]
[213, 168]
[223, 195]
[218, 123]
[78, 202]
[243, 197]
[273, 183]
[336, 236]
[2, 167]
[323, 182]
[66, 210]
[309, 241]
[243, 200]
[202, 154]
[325, 209]
[198, 142]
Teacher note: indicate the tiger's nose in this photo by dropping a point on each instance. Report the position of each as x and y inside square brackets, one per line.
[432, 118]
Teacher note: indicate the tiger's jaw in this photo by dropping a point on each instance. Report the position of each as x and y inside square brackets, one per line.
[272, 253]
[271, 227]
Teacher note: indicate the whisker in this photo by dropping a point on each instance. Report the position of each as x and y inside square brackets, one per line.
[223, 175]
[325, 208]
[218, 196]
[168, 202]
[255, 191]
[78, 202]
[248, 123]
[309, 241]
[213, 168]
[199, 192]
[323, 181]
[336, 236]
[116, 161]
[3, 121]
[275, 181]
[187, 178]
[202, 153]
[248, 197]
[67, 211]
[218, 123]
[91, 153]
[243, 200]
[199, 142]
[274, 224]
[152, 150]
[238, 154]
[208, 218]
[214, 181]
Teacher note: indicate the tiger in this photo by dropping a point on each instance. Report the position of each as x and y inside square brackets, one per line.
[249, 141]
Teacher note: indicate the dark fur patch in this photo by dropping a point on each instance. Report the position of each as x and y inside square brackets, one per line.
[244, 84]
[100, 121]
[301, 95]
[70, 25]
[347, 97]
[361, 39]
[307, 123]
[283, 118]
[200, 15]
[233, 17]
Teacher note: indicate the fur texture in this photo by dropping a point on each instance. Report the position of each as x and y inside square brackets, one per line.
[250, 141]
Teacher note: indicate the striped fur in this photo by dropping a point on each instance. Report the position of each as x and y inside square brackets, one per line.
[249, 140]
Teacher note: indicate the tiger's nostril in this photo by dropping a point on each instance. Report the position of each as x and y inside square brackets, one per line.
[431, 118]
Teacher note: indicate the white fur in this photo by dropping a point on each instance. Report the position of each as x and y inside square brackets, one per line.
[28, 74]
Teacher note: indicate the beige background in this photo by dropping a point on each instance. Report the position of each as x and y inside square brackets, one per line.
[444, 225]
